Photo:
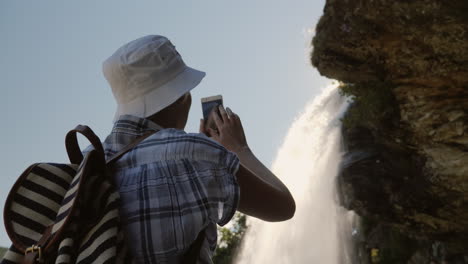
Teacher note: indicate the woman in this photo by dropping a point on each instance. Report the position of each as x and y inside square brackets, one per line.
[175, 187]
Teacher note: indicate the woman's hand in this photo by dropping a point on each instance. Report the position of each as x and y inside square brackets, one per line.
[263, 195]
[229, 131]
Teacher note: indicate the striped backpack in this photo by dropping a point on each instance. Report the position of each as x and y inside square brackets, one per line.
[67, 213]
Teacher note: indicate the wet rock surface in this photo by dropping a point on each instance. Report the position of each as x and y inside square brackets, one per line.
[407, 168]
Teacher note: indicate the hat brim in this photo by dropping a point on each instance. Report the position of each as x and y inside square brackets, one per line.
[160, 98]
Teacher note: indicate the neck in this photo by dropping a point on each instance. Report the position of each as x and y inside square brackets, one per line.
[167, 122]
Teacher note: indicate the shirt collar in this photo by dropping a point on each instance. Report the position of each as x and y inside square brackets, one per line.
[130, 123]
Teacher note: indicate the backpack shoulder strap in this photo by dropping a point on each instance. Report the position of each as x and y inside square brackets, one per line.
[74, 152]
[33, 254]
[129, 147]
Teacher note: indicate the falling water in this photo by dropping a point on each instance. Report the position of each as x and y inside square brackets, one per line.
[307, 163]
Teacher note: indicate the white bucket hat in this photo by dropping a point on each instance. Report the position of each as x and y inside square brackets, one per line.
[148, 74]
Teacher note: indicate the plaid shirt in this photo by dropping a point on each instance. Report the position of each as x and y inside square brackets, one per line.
[172, 185]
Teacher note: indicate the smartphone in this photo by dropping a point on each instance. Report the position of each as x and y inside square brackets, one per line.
[208, 104]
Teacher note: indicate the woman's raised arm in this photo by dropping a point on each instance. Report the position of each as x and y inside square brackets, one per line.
[263, 195]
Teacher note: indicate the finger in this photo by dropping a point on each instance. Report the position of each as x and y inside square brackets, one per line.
[202, 126]
[229, 112]
[223, 113]
[217, 119]
[213, 133]
[234, 116]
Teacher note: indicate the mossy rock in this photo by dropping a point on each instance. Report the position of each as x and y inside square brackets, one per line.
[373, 104]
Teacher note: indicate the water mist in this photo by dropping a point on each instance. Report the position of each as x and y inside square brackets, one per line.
[307, 163]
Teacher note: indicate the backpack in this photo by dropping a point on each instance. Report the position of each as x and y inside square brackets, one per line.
[69, 213]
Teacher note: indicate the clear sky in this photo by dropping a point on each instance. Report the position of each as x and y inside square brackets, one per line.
[255, 54]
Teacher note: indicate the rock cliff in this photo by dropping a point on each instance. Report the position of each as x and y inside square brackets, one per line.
[405, 63]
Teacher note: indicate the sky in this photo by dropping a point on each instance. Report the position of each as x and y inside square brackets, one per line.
[255, 54]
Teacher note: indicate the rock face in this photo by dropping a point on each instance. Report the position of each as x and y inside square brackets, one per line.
[407, 168]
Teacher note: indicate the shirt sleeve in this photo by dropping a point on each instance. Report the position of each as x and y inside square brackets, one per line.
[230, 189]
[224, 166]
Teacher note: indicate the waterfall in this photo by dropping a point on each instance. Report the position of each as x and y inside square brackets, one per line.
[308, 163]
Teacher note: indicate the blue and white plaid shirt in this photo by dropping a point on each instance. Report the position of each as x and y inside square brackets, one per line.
[172, 185]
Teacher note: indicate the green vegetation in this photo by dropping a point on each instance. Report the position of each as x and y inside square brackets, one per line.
[2, 252]
[385, 244]
[229, 240]
[373, 103]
